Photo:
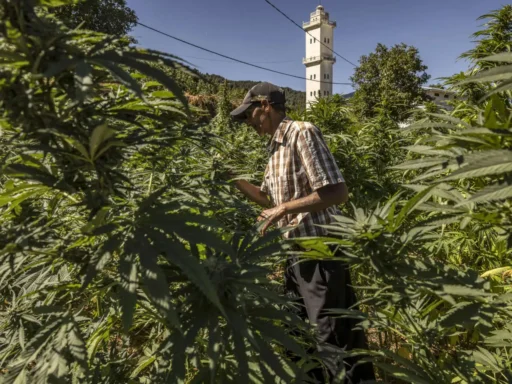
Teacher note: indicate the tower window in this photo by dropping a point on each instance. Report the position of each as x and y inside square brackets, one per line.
[314, 76]
[327, 75]
[328, 41]
[325, 40]
[314, 92]
[311, 77]
[310, 41]
[311, 93]
[314, 39]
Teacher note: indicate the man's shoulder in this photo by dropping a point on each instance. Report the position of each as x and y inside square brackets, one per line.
[298, 126]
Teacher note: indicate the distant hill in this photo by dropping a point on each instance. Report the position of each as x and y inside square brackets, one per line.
[294, 99]
[202, 87]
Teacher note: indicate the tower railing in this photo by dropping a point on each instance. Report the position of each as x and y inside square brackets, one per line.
[312, 59]
[318, 20]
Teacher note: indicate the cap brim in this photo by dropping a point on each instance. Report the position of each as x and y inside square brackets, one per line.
[240, 111]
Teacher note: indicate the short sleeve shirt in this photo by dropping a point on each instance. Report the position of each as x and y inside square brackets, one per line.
[300, 163]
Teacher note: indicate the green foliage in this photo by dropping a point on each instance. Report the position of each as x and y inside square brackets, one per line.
[492, 42]
[495, 38]
[389, 79]
[126, 257]
[115, 266]
[112, 17]
[422, 257]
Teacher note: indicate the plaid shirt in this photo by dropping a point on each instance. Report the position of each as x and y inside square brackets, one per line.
[300, 163]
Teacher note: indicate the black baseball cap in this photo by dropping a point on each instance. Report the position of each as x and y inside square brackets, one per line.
[262, 91]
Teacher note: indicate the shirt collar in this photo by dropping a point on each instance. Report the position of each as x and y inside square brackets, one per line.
[280, 132]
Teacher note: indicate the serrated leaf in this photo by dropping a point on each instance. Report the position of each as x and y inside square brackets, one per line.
[429, 151]
[483, 164]
[403, 374]
[502, 87]
[496, 271]
[129, 281]
[241, 357]
[461, 290]
[48, 310]
[121, 75]
[275, 363]
[153, 277]
[272, 333]
[499, 57]
[144, 362]
[492, 192]
[461, 314]
[163, 94]
[491, 75]
[176, 254]
[149, 71]
[413, 203]
[485, 358]
[198, 235]
[416, 126]
[76, 345]
[421, 163]
[215, 346]
[100, 134]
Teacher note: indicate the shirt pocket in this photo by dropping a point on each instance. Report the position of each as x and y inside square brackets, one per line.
[283, 189]
[292, 186]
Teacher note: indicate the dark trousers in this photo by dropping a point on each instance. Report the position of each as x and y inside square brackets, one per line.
[317, 286]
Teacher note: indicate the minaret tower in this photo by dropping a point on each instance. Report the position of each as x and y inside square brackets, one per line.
[319, 58]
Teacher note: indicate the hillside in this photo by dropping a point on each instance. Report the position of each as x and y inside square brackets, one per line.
[207, 86]
[295, 99]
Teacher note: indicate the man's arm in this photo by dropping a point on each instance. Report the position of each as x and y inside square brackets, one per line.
[322, 198]
[253, 193]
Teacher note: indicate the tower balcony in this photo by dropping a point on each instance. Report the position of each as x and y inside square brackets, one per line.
[317, 59]
[317, 21]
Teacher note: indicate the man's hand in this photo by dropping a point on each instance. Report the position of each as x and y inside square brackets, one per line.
[272, 216]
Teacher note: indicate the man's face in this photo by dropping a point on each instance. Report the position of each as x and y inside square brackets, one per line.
[258, 117]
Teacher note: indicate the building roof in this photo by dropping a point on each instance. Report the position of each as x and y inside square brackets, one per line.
[437, 89]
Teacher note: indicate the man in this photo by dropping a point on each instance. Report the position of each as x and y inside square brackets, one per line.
[301, 188]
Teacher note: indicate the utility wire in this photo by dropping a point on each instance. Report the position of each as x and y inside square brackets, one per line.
[233, 59]
[329, 48]
[227, 61]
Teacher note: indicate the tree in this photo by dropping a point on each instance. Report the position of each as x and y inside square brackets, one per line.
[112, 17]
[389, 79]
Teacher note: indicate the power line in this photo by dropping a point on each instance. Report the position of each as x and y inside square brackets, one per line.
[233, 59]
[329, 48]
[227, 61]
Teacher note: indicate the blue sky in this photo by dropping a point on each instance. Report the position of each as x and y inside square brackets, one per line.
[251, 30]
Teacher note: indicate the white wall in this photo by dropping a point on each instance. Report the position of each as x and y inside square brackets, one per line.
[312, 46]
[327, 35]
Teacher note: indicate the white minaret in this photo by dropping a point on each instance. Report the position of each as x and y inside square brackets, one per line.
[319, 59]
